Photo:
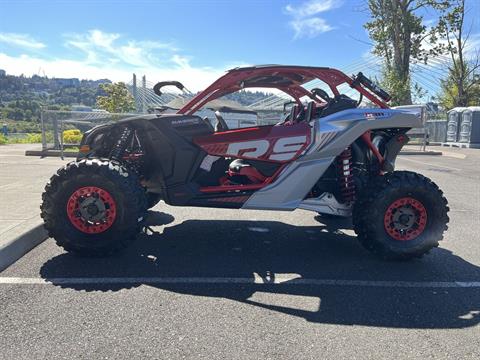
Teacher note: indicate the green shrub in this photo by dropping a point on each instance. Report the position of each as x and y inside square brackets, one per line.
[72, 136]
[32, 139]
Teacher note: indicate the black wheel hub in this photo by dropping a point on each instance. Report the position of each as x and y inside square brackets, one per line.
[92, 209]
[404, 218]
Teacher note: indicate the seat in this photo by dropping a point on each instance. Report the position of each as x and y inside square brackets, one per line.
[310, 111]
[293, 114]
[208, 124]
[339, 103]
[299, 114]
[221, 124]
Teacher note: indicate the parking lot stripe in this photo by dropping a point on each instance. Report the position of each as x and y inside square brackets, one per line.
[290, 279]
[430, 164]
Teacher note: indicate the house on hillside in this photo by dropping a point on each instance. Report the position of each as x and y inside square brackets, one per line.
[66, 82]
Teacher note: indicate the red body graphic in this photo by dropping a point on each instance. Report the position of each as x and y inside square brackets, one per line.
[267, 143]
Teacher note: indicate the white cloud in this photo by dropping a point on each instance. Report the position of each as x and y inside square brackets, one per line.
[108, 55]
[21, 40]
[311, 7]
[99, 46]
[193, 78]
[305, 22]
[310, 27]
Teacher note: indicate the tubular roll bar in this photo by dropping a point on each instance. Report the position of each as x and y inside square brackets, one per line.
[235, 79]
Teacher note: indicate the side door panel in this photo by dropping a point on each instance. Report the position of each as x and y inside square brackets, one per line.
[278, 144]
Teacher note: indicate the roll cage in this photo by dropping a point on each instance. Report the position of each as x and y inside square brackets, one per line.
[288, 79]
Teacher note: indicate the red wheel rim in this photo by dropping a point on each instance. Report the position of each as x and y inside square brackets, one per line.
[91, 210]
[405, 219]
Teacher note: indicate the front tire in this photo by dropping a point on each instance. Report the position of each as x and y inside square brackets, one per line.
[153, 199]
[400, 215]
[93, 207]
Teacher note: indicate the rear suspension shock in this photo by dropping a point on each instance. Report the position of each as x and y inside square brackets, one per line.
[345, 175]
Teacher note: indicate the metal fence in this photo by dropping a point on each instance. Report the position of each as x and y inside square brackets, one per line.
[54, 124]
[437, 131]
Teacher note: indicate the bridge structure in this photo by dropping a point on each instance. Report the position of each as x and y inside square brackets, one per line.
[145, 97]
[427, 77]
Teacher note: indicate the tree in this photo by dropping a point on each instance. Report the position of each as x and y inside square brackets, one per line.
[462, 85]
[459, 91]
[117, 100]
[399, 35]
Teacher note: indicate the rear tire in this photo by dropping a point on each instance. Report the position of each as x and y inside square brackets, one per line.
[116, 211]
[153, 199]
[400, 215]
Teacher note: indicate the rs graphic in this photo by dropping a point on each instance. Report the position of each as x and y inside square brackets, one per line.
[282, 149]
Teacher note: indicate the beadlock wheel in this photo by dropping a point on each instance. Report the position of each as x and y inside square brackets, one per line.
[405, 219]
[400, 215]
[94, 207]
[91, 209]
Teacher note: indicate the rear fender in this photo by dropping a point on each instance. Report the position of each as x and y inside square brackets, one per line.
[343, 128]
[392, 149]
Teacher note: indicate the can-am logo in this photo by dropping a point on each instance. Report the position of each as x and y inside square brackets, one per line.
[185, 121]
[281, 150]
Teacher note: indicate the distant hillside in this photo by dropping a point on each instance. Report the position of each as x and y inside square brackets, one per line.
[21, 97]
[247, 97]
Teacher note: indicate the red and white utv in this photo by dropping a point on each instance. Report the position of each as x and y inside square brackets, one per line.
[328, 156]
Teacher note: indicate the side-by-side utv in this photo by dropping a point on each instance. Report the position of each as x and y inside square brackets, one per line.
[328, 156]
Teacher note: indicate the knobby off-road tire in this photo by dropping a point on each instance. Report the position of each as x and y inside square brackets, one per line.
[412, 195]
[107, 185]
[153, 199]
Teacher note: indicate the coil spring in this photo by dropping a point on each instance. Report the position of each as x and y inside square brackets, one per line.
[346, 181]
[121, 145]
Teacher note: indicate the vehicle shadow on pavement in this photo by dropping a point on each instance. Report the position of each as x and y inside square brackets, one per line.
[241, 249]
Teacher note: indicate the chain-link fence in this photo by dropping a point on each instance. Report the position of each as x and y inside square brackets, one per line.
[63, 130]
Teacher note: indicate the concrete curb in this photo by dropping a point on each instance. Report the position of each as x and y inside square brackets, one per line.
[25, 237]
[408, 152]
[54, 153]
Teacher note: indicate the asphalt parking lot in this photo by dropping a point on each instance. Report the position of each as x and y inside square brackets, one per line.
[225, 284]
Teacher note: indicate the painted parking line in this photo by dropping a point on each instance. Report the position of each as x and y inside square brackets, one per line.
[453, 154]
[277, 279]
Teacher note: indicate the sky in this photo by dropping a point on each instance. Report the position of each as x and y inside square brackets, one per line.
[190, 41]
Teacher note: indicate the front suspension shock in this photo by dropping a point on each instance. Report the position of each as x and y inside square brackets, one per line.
[345, 176]
[121, 144]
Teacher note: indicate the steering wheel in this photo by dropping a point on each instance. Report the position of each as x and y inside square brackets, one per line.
[321, 93]
[221, 124]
